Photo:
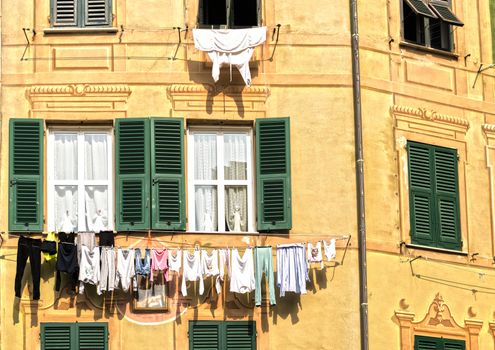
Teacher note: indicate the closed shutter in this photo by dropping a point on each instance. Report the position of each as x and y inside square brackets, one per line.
[421, 198]
[273, 174]
[168, 187]
[97, 12]
[64, 13]
[26, 175]
[58, 336]
[132, 174]
[446, 193]
[451, 344]
[427, 343]
[92, 336]
[240, 335]
[205, 335]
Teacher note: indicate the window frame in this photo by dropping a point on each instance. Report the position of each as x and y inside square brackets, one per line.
[81, 182]
[220, 182]
[446, 31]
[229, 16]
[81, 20]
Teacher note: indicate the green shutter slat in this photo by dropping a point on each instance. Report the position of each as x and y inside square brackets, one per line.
[97, 12]
[240, 335]
[168, 184]
[64, 13]
[452, 344]
[132, 173]
[26, 175]
[57, 336]
[273, 174]
[204, 335]
[92, 336]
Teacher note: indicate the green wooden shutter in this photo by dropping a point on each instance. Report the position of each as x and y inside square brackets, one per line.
[64, 13]
[168, 187]
[132, 174]
[26, 175]
[92, 336]
[273, 174]
[447, 198]
[205, 335]
[432, 343]
[240, 335]
[97, 12]
[453, 344]
[58, 336]
[421, 198]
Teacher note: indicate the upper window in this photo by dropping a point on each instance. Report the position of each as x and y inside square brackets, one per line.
[229, 13]
[429, 23]
[81, 13]
[220, 180]
[434, 196]
[80, 194]
[432, 343]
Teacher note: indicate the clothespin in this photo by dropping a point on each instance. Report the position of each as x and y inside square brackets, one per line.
[196, 247]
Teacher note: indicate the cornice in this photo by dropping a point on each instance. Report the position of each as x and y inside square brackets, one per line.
[78, 90]
[429, 115]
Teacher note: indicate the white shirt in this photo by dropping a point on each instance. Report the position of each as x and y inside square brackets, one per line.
[191, 271]
[89, 267]
[125, 268]
[242, 278]
[209, 267]
[175, 262]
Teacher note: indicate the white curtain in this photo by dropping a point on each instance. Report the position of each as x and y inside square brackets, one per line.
[96, 208]
[205, 157]
[235, 156]
[96, 157]
[65, 208]
[236, 208]
[206, 208]
[65, 157]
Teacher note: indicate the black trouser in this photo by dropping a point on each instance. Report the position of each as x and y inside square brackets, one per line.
[28, 248]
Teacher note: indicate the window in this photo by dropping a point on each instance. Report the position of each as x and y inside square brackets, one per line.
[81, 13]
[429, 23]
[220, 183]
[431, 343]
[229, 13]
[149, 177]
[74, 336]
[222, 335]
[433, 196]
[80, 169]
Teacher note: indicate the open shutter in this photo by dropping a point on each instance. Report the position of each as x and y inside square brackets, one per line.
[26, 175]
[273, 174]
[64, 13]
[168, 187]
[446, 197]
[240, 335]
[132, 174]
[92, 336]
[205, 335]
[421, 198]
[58, 336]
[97, 12]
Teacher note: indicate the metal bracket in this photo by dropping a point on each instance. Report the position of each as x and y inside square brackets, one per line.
[277, 32]
[28, 43]
[482, 69]
[178, 44]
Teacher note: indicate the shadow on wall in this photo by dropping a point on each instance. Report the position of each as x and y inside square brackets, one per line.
[230, 84]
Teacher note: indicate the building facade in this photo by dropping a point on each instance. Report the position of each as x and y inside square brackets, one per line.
[111, 120]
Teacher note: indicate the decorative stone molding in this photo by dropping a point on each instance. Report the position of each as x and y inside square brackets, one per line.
[438, 322]
[427, 114]
[200, 100]
[489, 131]
[78, 101]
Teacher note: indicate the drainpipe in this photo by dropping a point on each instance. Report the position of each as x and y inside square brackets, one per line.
[358, 144]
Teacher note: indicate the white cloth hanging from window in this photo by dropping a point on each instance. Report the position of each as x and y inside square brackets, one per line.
[230, 46]
[242, 278]
[209, 267]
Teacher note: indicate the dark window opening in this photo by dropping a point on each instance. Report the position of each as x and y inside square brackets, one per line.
[413, 26]
[439, 35]
[228, 13]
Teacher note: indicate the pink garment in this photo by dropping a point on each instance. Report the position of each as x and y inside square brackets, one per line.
[159, 262]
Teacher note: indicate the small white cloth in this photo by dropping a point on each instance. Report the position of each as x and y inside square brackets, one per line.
[125, 268]
[175, 261]
[330, 251]
[242, 279]
[230, 46]
[89, 267]
[315, 254]
[191, 271]
[209, 267]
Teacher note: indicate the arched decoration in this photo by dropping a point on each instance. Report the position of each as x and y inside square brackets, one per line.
[438, 322]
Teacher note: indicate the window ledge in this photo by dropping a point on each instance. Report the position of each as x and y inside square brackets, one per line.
[446, 54]
[435, 249]
[67, 30]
